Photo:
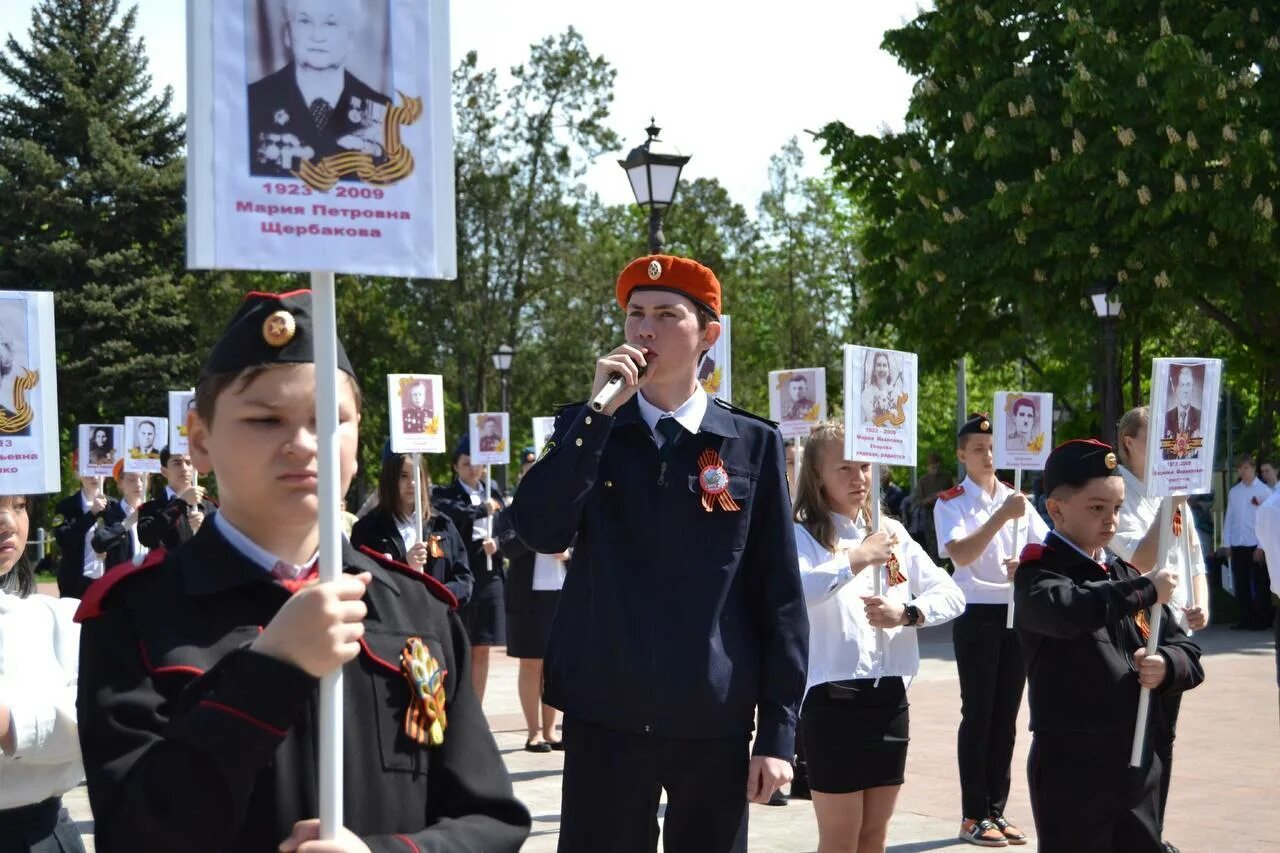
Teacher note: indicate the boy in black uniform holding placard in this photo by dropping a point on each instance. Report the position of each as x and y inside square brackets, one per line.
[199, 668]
[1083, 623]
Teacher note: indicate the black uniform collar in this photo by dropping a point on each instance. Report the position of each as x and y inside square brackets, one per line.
[717, 421]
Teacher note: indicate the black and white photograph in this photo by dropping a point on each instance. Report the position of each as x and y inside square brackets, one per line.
[1183, 425]
[415, 403]
[1023, 429]
[490, 441]
[145, 437]
[797, 399]
[28, 394]
[98, 449]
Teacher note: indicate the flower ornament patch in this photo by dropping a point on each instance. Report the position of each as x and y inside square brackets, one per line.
[713, 480]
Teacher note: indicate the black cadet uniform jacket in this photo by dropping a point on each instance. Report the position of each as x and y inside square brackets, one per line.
[112, 539]
[446, 559]
[163, 523]
[71, 523]
[674, 621]
[1078, 627]
[454, 501]
[194, 742]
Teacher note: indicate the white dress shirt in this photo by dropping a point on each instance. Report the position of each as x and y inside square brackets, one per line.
[258, 555]
[93, 567]
[478, 495]
[689, 415]
[1139, 514]
[985, 580]
[408, 535]
[39, 665]
[1268, 529]
[1242, 508]
[139, 550]
[842, 643]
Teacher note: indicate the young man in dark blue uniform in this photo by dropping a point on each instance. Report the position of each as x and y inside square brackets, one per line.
[683, 614]
[199, 668]
[175, 516]
[1082, 619]
[76, 518]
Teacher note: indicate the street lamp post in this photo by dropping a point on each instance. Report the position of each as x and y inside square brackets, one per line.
[502, 363]
[653, 167]
[1107, 307]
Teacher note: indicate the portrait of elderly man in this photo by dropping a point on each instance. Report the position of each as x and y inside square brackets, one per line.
[144, 440]
[1182, 418]
[10, 367]
[314, 107]
[416, 412]
[491, 435]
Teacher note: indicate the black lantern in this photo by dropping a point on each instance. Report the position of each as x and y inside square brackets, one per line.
[653, 167]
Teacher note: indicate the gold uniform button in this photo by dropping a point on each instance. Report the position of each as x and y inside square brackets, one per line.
[578, 442]
[608, 484]
[588, 420]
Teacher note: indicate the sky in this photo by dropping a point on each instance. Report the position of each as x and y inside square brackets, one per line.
[728, 82]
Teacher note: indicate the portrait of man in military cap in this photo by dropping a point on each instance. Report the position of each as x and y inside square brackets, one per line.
[415, 407]
[311, 98]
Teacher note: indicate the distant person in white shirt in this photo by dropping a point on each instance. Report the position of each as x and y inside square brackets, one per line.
[982, 525]
[39, 739]
[1267, 471]
[1248, 565]
[1268, 527]
[854, 720]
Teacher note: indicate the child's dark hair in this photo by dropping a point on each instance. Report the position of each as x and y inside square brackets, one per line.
[389, 487]
[211, 388]
[21, 579]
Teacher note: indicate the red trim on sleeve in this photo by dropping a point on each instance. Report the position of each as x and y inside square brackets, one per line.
[437, 589]
[408, 842]
[380, 661]
[236, 712]
[1033, 551]
[91, 604]
[163, 670]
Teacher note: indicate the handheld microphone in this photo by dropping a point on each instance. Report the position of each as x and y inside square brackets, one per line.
[611, 389]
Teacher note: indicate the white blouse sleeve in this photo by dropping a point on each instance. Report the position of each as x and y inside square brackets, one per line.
[821, 574]
[44, 720]
[933, 592]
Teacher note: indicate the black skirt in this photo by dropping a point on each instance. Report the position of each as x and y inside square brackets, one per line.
[484, 615]
[855, 734]
[529, 626]
[43, 827]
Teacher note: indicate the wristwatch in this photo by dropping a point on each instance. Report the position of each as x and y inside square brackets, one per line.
[912, 614]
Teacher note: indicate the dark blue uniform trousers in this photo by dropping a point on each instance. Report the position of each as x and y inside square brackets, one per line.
[613, 779]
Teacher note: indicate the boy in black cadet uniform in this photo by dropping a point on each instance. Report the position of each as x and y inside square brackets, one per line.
[470, 503]
[175, 516]
[199, 668]
[75, 520]
[683, 612]
[1083, 621]
[976, 527]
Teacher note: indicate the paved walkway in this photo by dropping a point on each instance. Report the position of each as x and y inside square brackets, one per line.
[1224, 792]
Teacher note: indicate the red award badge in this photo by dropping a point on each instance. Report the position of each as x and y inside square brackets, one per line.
[714, 482]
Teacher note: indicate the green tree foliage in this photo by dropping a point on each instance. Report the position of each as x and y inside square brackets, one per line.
[1050, 146]
[92, 176]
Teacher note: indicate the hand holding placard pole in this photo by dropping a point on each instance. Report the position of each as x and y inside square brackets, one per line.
[1017, 541]
[1153, 639]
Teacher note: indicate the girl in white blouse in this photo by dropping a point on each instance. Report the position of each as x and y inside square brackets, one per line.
[854, 720]
[39, 745]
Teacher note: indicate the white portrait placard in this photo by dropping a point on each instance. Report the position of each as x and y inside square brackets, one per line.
[144, 439]
[1183, 425]
[180, 404]
[415, 412]
[29, 452]
[490, 438]
[716, 370]
[285, 171]
[797, 399]
[99, 447]
[1022, 429]
[881, 397]
[542, 431]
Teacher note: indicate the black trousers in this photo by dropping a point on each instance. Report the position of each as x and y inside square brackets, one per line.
[1252, 586]
[43, 827]
[1085, 797]
[992, 677]
[1170, 705]
[613, 780]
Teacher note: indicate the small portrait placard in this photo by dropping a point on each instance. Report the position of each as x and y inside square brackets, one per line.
[716, 370]
[881, 395]
[144, 439]
[797, 399]
[29, 452]
[181, 403]
[1184, 419]
[415, 411]
[490, 439]
[1023, 434]
[98, 448]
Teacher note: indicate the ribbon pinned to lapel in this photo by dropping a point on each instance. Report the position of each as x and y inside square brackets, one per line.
[714, 482]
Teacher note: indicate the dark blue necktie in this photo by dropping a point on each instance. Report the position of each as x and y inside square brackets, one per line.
[670, 430]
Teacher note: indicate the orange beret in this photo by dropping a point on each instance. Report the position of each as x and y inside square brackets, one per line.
[118, 470]
[667, 272]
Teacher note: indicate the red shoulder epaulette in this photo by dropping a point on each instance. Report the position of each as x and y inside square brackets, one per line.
[953, 492]
[91, 604]
[1033, 551]
[437, 589]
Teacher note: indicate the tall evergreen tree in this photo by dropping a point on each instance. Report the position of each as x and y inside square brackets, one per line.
[92, 174]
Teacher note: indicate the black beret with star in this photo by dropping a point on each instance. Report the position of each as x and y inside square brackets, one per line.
[978, 424]
[268, 328]
[1076, 462]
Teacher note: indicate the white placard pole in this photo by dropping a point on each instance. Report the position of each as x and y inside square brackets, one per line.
[1188, 576]
[1017, 535]
[1153, 640]
[486, 497]
[330, 568]
[795, 474]
[875, 528]
[417, 497]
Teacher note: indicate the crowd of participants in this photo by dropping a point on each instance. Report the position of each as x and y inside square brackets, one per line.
[200, 623]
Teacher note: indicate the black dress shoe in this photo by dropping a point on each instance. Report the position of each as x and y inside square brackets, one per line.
[1169, 848]
[540, 746]
[557, 745]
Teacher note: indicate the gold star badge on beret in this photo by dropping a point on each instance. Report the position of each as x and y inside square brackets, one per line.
[655, 270]
[279, 328]
[1110, 461]
[985, 426]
